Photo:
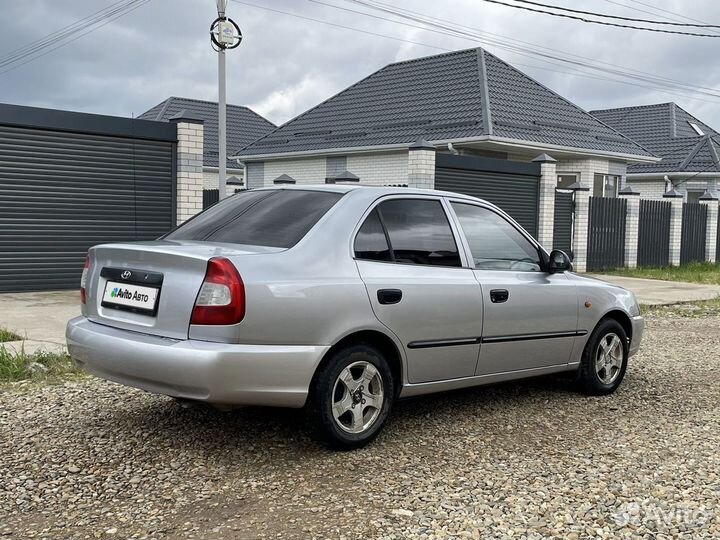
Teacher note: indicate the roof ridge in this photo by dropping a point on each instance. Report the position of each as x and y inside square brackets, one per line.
[574, 105]
[633, 107]
[484, 93]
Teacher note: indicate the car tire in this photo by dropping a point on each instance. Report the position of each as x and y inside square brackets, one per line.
[352, 397]
[604, 360]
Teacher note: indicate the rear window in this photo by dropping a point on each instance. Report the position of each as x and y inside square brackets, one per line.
[259, 218]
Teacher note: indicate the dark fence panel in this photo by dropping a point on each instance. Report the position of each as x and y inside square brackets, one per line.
[210, 197]
[654, 233]
[694, 227]
[606, 233]
[562, 228]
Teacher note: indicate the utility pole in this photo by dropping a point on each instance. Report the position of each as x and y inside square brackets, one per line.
[224, 34]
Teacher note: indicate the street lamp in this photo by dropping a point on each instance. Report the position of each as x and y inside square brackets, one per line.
[224, 34]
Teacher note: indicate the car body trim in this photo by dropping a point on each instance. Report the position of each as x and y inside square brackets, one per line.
[529, 337]
[424, 344]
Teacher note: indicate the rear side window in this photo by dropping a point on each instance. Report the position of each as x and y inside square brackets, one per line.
[415, 231]
[371, 242]
[259, 218]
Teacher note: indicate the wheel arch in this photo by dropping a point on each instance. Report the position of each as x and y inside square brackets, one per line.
[623, 319]
[375, 338]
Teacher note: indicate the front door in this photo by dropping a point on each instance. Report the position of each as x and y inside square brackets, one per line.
[530, 316]
[411, 266]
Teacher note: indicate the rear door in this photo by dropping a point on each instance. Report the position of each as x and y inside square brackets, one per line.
[409, 260]
[530, 316]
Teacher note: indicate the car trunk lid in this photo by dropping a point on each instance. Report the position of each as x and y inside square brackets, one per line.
[151, 287]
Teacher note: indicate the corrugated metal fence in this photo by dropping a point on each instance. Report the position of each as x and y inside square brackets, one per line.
[606, 233]
[69, 181]
[694, 227]
[654, 233]
[562, 227]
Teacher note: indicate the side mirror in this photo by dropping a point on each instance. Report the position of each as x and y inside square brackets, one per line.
[559, 262]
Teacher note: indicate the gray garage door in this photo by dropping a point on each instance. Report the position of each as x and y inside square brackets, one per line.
[62, 192]
[511, 185]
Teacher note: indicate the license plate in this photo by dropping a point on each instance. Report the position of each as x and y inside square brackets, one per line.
[130, 297]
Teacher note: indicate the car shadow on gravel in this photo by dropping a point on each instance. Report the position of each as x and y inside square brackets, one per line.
[212, 431]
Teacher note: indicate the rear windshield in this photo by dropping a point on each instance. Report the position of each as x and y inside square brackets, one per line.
[259, 218]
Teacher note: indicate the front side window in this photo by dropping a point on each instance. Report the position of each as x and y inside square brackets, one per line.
[408, 231]
[259, 218]
[494, 242]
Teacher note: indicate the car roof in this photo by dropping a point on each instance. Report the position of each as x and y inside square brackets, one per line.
[378, 191]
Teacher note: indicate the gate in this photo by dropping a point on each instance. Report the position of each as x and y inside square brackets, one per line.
[511, 185]
[654, 233]
[694, 227]
[563, 224]
[210, 197]
[606, 233]
[69, 181]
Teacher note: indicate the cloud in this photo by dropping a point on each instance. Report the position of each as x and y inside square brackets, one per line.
[287, 64]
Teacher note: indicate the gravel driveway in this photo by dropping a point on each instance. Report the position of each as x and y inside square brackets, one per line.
[522, 460]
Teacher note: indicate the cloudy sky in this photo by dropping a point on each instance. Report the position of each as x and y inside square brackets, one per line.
[286, 64]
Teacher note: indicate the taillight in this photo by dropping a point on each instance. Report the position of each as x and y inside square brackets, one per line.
[222, 296]
[83, 281]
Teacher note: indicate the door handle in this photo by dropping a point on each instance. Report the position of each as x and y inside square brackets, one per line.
[498, 296]
[389, 296]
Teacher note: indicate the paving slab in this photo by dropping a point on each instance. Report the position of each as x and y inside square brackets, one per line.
[39, 318]
[656, 292]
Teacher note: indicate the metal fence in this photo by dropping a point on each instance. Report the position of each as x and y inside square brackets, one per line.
[654, 233]
[562, 228]
[606, 233]
[694, 228]
[210, 197]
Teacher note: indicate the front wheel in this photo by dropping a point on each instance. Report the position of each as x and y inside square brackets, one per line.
[604, 359]
[352, 397]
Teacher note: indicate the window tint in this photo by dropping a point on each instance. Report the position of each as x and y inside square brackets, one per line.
[495, 244]
[419, 232]
[370, 242]
[260, 218]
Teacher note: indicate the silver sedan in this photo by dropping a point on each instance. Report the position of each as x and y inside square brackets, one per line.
[342, 299]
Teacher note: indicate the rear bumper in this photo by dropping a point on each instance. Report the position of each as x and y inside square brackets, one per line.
[638, 327]
[270, 375]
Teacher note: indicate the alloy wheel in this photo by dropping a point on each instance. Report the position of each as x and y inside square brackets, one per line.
[358, 397]
[609, 358]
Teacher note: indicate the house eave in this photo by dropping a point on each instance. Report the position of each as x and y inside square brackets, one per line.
[503, 141]
[681, 175]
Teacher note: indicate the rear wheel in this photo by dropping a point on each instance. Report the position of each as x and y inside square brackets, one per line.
[604, 359]
[352, 397]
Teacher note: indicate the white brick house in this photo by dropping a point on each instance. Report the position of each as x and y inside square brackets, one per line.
[466, 102]
[688, 147]
[243, 126]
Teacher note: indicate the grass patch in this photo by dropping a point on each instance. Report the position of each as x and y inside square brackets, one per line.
[700, 272]
[41, 366]
[7, 335]
[690, 310]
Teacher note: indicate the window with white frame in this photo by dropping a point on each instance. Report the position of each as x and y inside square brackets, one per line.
[564, 181]
[606, 185]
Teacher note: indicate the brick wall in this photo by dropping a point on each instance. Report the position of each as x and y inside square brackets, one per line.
[189, 168]
[381, 168]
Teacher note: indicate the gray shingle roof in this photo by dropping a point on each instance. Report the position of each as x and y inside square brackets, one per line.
[243, 124]
[665, 130]
[442, 98]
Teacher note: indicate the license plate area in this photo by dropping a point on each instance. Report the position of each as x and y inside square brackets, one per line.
[132, 290]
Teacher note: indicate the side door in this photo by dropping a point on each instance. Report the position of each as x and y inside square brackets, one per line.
[408, 257]
[530, 316]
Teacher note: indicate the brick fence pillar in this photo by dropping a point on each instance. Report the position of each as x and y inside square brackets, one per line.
[421, 165]
[632, 225]
[580, 228]
[676, 211]
[712, 226]
[546, 202]
[189, 190]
